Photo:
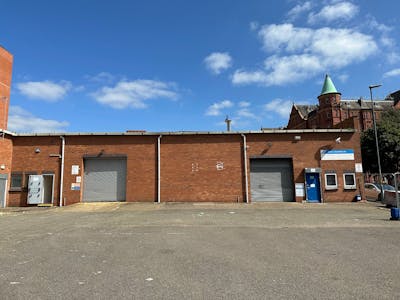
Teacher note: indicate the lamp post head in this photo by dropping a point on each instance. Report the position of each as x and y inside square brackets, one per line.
[374, 86]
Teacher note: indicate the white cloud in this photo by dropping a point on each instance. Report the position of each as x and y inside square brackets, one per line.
[102, 77]
[217, 62]
[303, 52]
[135, 93]
[44, 90]
[393, 57]
[248, 77]
[244, 104]
[385, 40]
[349, 44]
[215, 108]
[373, 24]
[392, 73]
[342, 10]
[279, 106]
[286, 69]
[285, 37]
[343, 77]
[296, 11]
[21, 120]
[246, 113]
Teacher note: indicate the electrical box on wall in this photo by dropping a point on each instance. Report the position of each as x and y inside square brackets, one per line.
[35, 189]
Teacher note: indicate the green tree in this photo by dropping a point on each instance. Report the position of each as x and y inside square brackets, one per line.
[388, 129]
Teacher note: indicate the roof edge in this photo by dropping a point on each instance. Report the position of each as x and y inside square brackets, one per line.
[169, 133]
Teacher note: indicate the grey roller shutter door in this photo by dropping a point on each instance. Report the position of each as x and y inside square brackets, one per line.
[104, 180]
[271, 180]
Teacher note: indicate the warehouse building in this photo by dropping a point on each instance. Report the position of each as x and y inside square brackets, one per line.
[272, 165]
[314, 165]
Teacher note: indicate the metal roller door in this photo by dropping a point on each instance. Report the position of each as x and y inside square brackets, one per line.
[104, 179]
[271, 180]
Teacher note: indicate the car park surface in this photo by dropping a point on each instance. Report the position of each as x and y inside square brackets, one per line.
[200, 251]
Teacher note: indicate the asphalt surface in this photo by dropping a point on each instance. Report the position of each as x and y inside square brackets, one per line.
[203, 251]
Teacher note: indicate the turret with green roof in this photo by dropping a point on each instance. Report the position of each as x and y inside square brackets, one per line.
[329, 89]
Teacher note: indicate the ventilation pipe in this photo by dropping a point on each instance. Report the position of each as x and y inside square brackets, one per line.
[228, 123]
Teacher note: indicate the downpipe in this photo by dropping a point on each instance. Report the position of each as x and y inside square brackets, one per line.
[245, 167]
[62, 169]
[159, 169]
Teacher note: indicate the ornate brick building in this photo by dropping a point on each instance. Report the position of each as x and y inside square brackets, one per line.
[333, 110]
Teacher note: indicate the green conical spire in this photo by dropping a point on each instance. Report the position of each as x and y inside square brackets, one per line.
[329, 87]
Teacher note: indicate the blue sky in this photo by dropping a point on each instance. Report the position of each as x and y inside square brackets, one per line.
[184, 65]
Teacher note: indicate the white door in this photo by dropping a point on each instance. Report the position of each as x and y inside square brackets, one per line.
[35, 189]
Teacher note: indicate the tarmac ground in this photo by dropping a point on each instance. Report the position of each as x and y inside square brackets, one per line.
[200, 251]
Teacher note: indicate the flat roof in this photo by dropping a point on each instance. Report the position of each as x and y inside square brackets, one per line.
[142, 133]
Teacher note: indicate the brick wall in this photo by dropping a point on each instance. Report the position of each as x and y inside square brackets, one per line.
[6, 61]
[141, 151]
[306, 154]
[202, 168]
[26, 160]
[193, 167]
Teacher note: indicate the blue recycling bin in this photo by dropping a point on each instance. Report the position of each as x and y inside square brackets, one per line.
[394, 213]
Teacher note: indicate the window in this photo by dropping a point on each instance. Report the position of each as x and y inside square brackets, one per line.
[16, 181]
[349, 180]
[330, 181]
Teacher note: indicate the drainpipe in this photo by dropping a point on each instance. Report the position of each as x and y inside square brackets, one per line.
[159, 169]
[245, 167]
[62, 169]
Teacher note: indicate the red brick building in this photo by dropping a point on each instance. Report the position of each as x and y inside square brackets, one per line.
[331, 110]
[6, 61]
[315, 165]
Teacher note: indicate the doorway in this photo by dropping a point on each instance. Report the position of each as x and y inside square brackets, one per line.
[313, 187]
[48, 188]
[41, 189]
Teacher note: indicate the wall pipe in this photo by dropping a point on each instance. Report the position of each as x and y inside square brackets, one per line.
[62, 169]
[159, 169]
[245, 167]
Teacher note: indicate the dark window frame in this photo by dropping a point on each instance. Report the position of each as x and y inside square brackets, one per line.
[16, 176]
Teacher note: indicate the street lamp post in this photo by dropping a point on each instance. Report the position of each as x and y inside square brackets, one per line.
[376, 137]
